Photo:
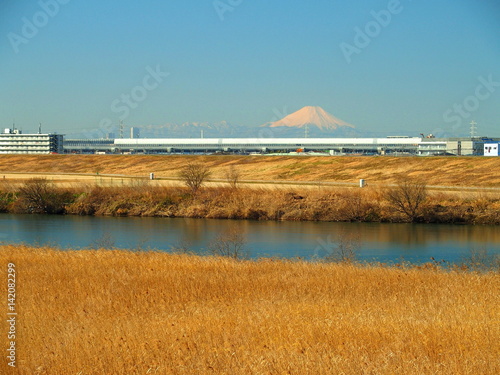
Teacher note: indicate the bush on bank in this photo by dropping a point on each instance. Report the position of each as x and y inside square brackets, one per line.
[322, 204]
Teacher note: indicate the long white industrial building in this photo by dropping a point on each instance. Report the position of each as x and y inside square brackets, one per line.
[13, 141]
[389, 145]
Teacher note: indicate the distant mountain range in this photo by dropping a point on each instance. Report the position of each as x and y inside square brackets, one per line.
[310, 121]
[192, 130]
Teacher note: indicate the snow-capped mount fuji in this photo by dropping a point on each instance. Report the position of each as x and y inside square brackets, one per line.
[310, 116]
[313, 120]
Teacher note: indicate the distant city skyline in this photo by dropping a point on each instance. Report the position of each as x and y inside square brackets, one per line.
[395, 67]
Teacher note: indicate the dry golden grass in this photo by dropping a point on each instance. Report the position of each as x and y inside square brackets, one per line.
[447, 171]
[117, 312]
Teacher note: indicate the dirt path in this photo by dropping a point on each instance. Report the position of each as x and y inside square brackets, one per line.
[75, 179]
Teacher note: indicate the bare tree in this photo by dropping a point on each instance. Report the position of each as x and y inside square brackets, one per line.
[194, 175]
[39, 196]
[229, 244]
[407, 197]
[233, 176]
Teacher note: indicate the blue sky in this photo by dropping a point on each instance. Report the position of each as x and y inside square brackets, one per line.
[394, 67]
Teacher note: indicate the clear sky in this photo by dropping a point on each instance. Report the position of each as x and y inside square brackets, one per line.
[396, 67]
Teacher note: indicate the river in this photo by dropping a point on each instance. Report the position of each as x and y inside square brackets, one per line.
[415, 243]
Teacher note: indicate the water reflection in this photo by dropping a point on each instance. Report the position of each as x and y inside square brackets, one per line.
[383, 242]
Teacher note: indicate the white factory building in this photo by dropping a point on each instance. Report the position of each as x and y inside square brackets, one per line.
[333, 146]
[330, 146]
[12, 141]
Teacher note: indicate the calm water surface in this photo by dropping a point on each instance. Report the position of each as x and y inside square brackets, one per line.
[380, 242]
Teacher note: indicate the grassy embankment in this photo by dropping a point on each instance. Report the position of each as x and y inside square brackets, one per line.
[443, 171]
[324, 203]
[117, 312]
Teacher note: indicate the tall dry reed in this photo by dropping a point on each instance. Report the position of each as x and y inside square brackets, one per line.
[118, 312]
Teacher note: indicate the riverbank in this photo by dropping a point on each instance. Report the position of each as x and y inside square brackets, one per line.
[95, 312]
[376, 170]
[143, 198]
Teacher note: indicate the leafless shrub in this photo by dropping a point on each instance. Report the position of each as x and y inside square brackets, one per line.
[231, 243]
[39, 196]
[233, 176]
[194, 175]
[408, 197]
